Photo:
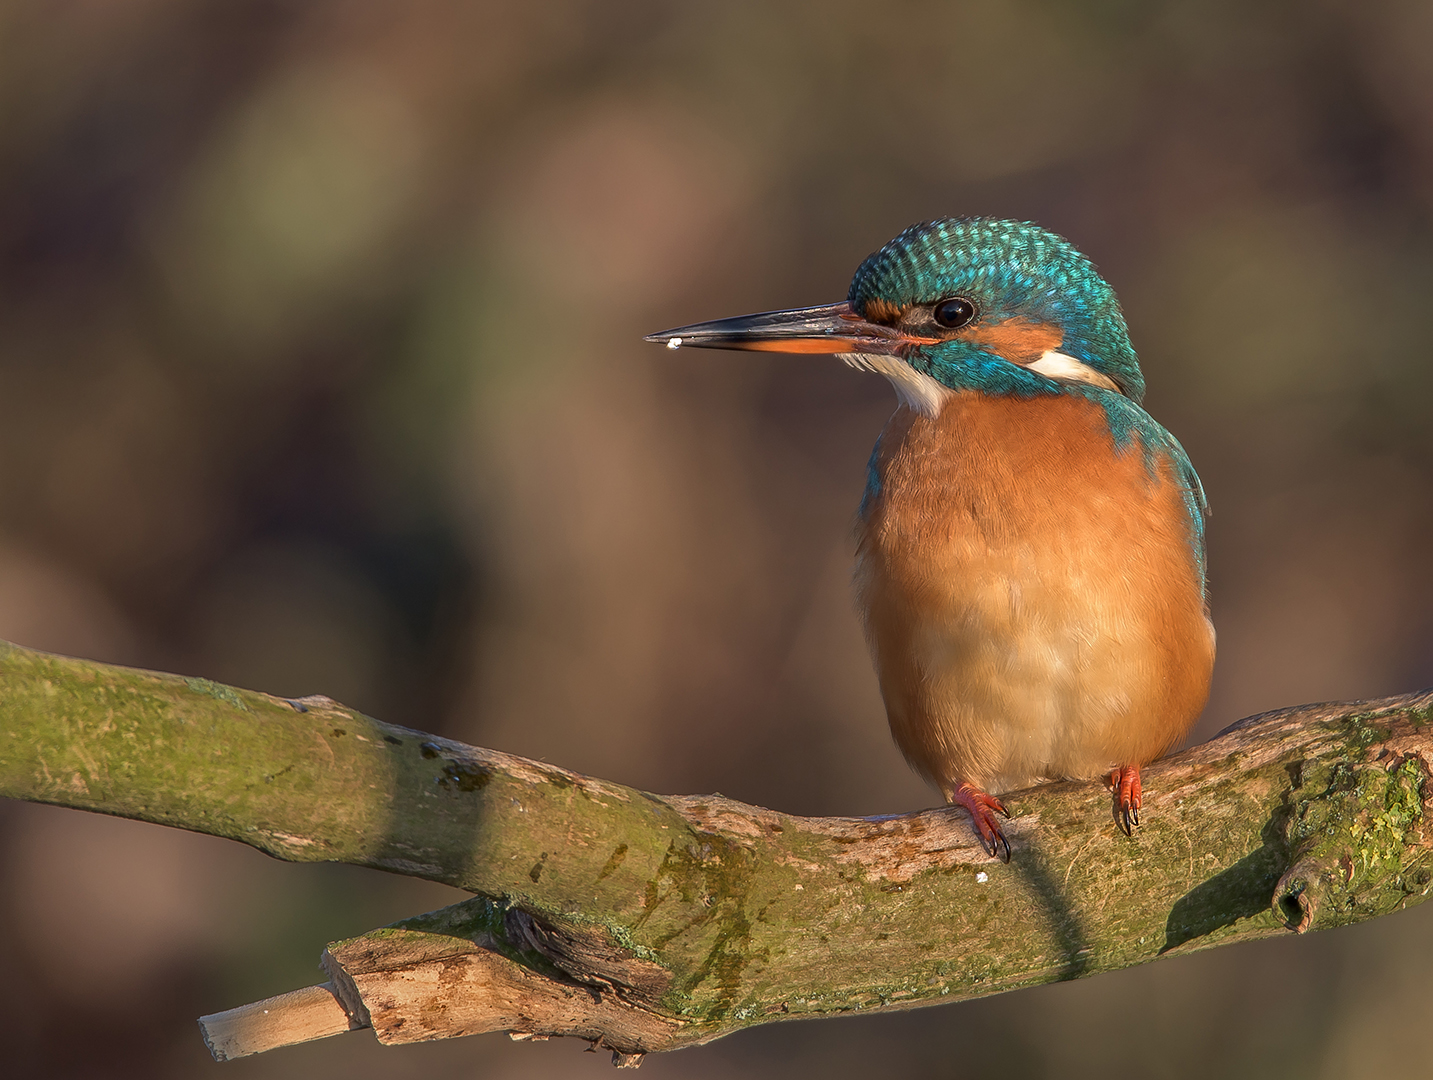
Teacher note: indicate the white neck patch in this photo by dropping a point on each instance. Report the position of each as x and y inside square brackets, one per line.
[1056, 365]
[914, 389]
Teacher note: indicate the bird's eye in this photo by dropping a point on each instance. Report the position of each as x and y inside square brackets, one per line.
[954, 312]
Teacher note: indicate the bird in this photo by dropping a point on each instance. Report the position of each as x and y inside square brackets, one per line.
[1030, 544]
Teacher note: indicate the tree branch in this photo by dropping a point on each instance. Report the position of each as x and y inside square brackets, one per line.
[644, 923]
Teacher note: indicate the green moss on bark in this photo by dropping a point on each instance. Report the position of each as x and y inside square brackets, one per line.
[731, 915]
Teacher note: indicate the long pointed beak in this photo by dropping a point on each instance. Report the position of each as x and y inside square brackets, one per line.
[828, 328]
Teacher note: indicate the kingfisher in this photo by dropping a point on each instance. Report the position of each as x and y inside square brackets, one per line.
[1030, 563]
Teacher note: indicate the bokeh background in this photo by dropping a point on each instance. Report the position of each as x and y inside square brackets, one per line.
[321, 371]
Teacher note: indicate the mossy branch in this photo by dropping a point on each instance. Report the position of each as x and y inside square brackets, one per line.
[644, 922]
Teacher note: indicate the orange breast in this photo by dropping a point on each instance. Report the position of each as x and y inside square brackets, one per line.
[1029, 593]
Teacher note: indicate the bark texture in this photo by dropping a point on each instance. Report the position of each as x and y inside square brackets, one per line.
[644, 922]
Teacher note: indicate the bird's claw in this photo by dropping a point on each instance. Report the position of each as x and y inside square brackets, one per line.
[1128, 797]
[982, 808]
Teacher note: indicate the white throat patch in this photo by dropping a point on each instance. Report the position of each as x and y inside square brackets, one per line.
[914, 389]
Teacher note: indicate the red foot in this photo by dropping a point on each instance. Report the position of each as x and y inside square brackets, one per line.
[1125, 781]
[982, 808]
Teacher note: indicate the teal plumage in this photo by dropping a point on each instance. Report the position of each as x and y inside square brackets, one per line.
[1021, 271]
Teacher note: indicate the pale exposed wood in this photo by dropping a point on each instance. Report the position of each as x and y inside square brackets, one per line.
[415, 987]
[296, 1017]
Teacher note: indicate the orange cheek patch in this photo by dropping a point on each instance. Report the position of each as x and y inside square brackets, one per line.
[883, 311]
[1018, 340]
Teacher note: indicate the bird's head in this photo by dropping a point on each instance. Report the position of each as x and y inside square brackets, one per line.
[1003, 307]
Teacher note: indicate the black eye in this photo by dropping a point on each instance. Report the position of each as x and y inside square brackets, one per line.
[954, 312]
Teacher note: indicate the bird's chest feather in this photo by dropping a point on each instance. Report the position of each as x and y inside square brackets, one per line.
[1030, 593]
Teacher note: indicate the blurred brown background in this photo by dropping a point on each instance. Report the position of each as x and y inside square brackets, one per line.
[321, 371]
